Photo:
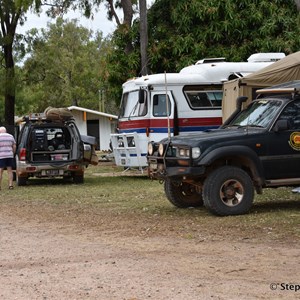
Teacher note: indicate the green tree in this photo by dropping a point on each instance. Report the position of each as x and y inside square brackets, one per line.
[64, 66]
[182, 32]
[124, 61]
[11, 14]
[143, 37]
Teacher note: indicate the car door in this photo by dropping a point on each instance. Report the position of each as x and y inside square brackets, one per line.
[283, 155]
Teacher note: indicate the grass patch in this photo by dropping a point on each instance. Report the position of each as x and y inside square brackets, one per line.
[137, 205]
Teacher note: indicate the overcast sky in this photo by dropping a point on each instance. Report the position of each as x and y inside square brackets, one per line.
[100, 21]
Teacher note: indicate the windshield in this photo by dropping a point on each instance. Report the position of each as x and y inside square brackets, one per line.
[258, 114]
[130, 106]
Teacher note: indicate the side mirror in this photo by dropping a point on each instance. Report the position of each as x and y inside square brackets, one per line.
[141, 96]
[281, 125]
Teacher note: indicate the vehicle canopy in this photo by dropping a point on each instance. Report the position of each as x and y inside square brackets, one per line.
[285, 70]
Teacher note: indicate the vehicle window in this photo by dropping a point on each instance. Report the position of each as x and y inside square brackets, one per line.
[215, 98]
[130, 106]
[23, 134]
[49, 139]
[143, 107]
[203, 97]
[161, 106]
[259, 113]
[292, 113]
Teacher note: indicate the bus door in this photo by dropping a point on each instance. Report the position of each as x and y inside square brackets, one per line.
[162, 116]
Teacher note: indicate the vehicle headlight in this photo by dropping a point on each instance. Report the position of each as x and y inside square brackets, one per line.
[196, 152]
[183, 152]
[150, 148]
[120, 143]
[161, 149]
[130, 142]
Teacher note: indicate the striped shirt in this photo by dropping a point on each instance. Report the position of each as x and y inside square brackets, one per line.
[6, 145]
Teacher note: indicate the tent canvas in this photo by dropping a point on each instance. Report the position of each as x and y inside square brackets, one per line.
[284, 70]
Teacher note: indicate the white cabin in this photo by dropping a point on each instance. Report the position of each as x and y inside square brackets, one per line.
[95, 123]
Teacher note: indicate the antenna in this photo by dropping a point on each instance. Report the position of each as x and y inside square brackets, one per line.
[167, 107]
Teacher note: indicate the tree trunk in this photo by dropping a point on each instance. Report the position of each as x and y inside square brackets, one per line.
[128, 15]
[9, 115]
[9, 18]
[126, 25]
[128, 12]
[297, 2]
[143, 36]
[10, 86]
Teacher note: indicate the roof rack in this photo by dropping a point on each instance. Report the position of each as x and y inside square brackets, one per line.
[33, 117]
[37, 117]
[279, 91]
[291, 87]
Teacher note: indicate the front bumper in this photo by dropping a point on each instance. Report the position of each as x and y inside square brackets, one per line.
[160, 169]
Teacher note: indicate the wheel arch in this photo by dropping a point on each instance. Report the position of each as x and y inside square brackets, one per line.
[240, 156]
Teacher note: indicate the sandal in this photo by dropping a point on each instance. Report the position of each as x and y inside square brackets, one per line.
[10, 187]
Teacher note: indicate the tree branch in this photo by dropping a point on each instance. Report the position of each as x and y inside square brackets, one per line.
[112, 11]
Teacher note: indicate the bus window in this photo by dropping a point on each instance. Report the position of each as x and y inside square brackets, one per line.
[203, 97]
[160, 105]
[198, 99]
[215, 98]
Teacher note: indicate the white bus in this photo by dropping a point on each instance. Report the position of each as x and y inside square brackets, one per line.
[157, 106]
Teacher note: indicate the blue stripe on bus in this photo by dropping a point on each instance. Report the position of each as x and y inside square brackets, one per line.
[141, 130]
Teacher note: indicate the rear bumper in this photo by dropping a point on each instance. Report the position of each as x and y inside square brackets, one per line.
[24, 169]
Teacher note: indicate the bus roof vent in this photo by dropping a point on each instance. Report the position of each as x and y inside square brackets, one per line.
[266, 57]
[210, 60]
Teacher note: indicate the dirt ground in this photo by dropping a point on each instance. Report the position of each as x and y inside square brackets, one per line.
[53, 258]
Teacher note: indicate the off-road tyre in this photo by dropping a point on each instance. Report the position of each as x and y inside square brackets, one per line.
[78, 179]
[21, 181]
[182, 195]
[228, 191]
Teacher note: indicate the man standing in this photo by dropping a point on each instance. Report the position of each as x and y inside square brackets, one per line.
[7, 151]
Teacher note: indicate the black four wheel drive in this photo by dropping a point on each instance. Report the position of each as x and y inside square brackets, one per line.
[257, 148]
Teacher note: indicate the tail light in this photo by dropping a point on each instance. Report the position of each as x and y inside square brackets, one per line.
[22, 155]
[74, 167]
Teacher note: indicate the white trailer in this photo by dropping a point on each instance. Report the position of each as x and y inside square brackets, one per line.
[157, 106]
